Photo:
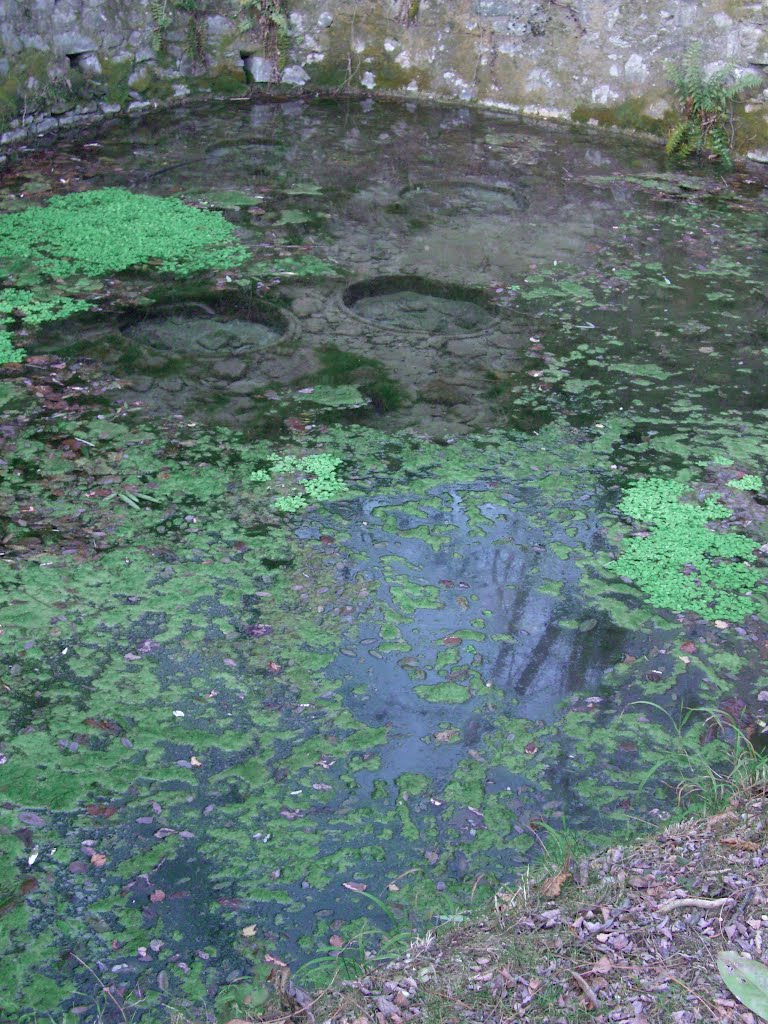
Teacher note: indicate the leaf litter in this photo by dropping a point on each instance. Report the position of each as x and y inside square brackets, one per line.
[634, 937]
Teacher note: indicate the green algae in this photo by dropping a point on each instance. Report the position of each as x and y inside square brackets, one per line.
[97, 233]
[443, 693]
[345, 396]
[8, 352]
[277, 748]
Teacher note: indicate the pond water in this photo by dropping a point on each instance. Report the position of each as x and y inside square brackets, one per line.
[311, 633]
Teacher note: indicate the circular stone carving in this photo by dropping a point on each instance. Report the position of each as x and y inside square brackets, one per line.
[464, 197]
[211, 329]
[402, 302]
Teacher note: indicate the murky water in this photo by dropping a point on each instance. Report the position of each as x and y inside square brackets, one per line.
[272, 724]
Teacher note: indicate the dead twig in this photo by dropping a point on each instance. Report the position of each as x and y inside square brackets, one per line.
[586, 988]
[104, 988]
[694, 901]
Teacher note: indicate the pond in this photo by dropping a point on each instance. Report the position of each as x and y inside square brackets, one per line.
[339, 581]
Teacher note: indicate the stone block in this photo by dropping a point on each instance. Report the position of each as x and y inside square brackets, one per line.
[294, 75]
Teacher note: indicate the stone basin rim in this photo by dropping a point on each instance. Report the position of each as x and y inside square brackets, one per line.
[259, 311]
[391, 284]
[449, 186]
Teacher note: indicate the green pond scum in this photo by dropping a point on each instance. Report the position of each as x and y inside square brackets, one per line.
[328, 679]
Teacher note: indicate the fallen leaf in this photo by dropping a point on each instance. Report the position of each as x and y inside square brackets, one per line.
[336, 941]
[531, 748]
[157, 896]
[98, 860]
[101, 810]
[451, 641]
[740, 844]
[550, 887]
[194, 762]
[355, 886]
[447, 735]
[268, 958]
[602, 966]
[30, 818]
[249, 931]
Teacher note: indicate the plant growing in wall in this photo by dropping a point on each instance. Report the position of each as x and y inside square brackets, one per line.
[706, 125]
[163, 15]
[269, 19]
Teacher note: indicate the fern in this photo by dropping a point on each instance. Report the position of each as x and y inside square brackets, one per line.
[706, 101]
[270, 19]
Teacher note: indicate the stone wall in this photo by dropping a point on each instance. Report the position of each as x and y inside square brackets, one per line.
[598, 61]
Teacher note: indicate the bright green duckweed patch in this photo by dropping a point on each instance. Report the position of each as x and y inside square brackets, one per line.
[682, 563]
[108, 230]
[310, 478]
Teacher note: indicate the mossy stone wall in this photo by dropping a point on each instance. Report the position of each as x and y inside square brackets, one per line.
[594, 61]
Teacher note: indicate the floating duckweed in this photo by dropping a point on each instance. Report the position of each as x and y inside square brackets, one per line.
[315, 476]
[108, 230]
[749, 482]
[682, 564]
[9, 354]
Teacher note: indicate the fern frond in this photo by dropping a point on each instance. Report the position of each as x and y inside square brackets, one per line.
[677, 138]
[720, 145]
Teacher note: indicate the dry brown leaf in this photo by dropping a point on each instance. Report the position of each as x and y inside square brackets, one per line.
[355, 886]
[740, 844]
[602, 966]
[98, 860]
[249, 931]
[550, 887]
[268, 958]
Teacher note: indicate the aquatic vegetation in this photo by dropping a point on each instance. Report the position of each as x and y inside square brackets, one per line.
[105, 231]
[251, 672]
[748, 482]
[682, 563]
[343, 396]
[304, 265]
[97, 233]
[309, 477]
[37, 307]
[8, 352]
[339, 367]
